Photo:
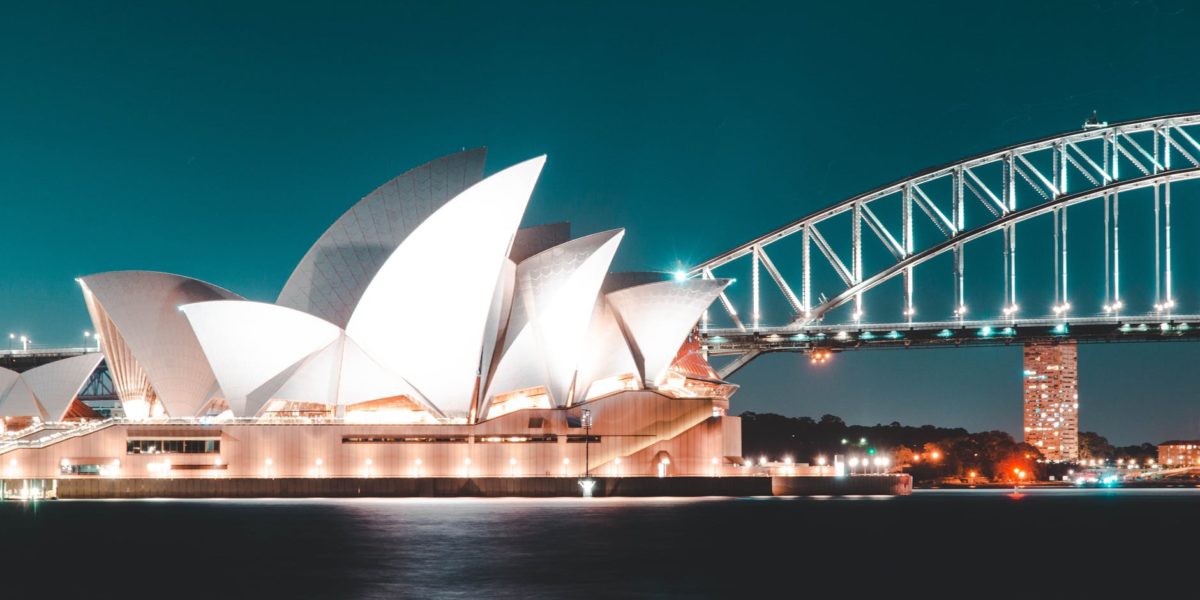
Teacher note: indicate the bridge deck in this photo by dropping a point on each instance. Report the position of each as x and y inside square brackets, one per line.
[720, 342]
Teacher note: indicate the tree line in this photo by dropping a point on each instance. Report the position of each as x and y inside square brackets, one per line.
[928, 452]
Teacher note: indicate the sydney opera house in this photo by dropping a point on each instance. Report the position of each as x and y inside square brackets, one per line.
[424, 334]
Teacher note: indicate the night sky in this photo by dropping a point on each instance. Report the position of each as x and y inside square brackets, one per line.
[219, 140]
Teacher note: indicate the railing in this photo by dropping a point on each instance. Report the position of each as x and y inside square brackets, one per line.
[65, 431]
[38, 351]
[54, 438]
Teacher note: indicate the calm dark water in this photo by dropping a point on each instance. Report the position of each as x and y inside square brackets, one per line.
[952, 543]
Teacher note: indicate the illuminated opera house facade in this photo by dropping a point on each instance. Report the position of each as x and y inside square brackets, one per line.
[424, 334]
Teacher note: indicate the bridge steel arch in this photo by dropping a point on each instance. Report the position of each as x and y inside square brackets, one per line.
[1098, 162]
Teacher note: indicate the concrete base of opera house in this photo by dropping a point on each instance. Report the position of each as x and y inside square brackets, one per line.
[453, 487]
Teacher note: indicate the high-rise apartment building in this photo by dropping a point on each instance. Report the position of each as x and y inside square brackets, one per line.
[1051, 388]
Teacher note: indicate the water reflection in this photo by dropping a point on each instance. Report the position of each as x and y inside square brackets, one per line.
[567, 548]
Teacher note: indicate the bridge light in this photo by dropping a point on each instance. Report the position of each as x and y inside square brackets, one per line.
[986, 331]
[680, 275]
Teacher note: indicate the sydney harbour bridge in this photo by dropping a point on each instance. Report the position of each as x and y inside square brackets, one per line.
[935, 259]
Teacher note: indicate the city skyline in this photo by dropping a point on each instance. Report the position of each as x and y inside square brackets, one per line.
[100, 167]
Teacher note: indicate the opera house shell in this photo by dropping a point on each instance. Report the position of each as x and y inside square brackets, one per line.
[425, 333]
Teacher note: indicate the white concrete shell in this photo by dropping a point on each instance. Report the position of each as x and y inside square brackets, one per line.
[153, 355]
[263, 352]
[363, 379]
[249, 344]
[331, 279]
[553, 301]
[16, 399]
[424, 314]
[497, 322]
[606, 352]
[657, 317]
[56, 384]
[314, 379]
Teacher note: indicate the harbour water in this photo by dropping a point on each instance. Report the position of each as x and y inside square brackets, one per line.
[934, 543]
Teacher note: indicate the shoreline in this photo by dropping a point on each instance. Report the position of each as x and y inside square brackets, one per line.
[1059, 485]
[452, 487]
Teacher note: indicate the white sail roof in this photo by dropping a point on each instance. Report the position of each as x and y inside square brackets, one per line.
[16, 399]
[331, 278]
[497, 322]
[248, 344]
[315, 379]
[657, 317]
[363, 379]
[56, 384]
[552, 305]
[151, 350]
[423, 316]
[606, 352]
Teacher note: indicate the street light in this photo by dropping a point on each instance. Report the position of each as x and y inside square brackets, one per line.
[586, 417]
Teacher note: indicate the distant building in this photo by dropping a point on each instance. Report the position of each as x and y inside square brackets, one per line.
[1051, 388]
[1179, 453]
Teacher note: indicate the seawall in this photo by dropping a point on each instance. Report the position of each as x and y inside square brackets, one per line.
[450, 487]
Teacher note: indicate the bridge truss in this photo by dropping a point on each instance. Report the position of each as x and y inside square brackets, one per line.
[945, 212]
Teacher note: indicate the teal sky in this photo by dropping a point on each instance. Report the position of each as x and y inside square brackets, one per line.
[219, 139]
